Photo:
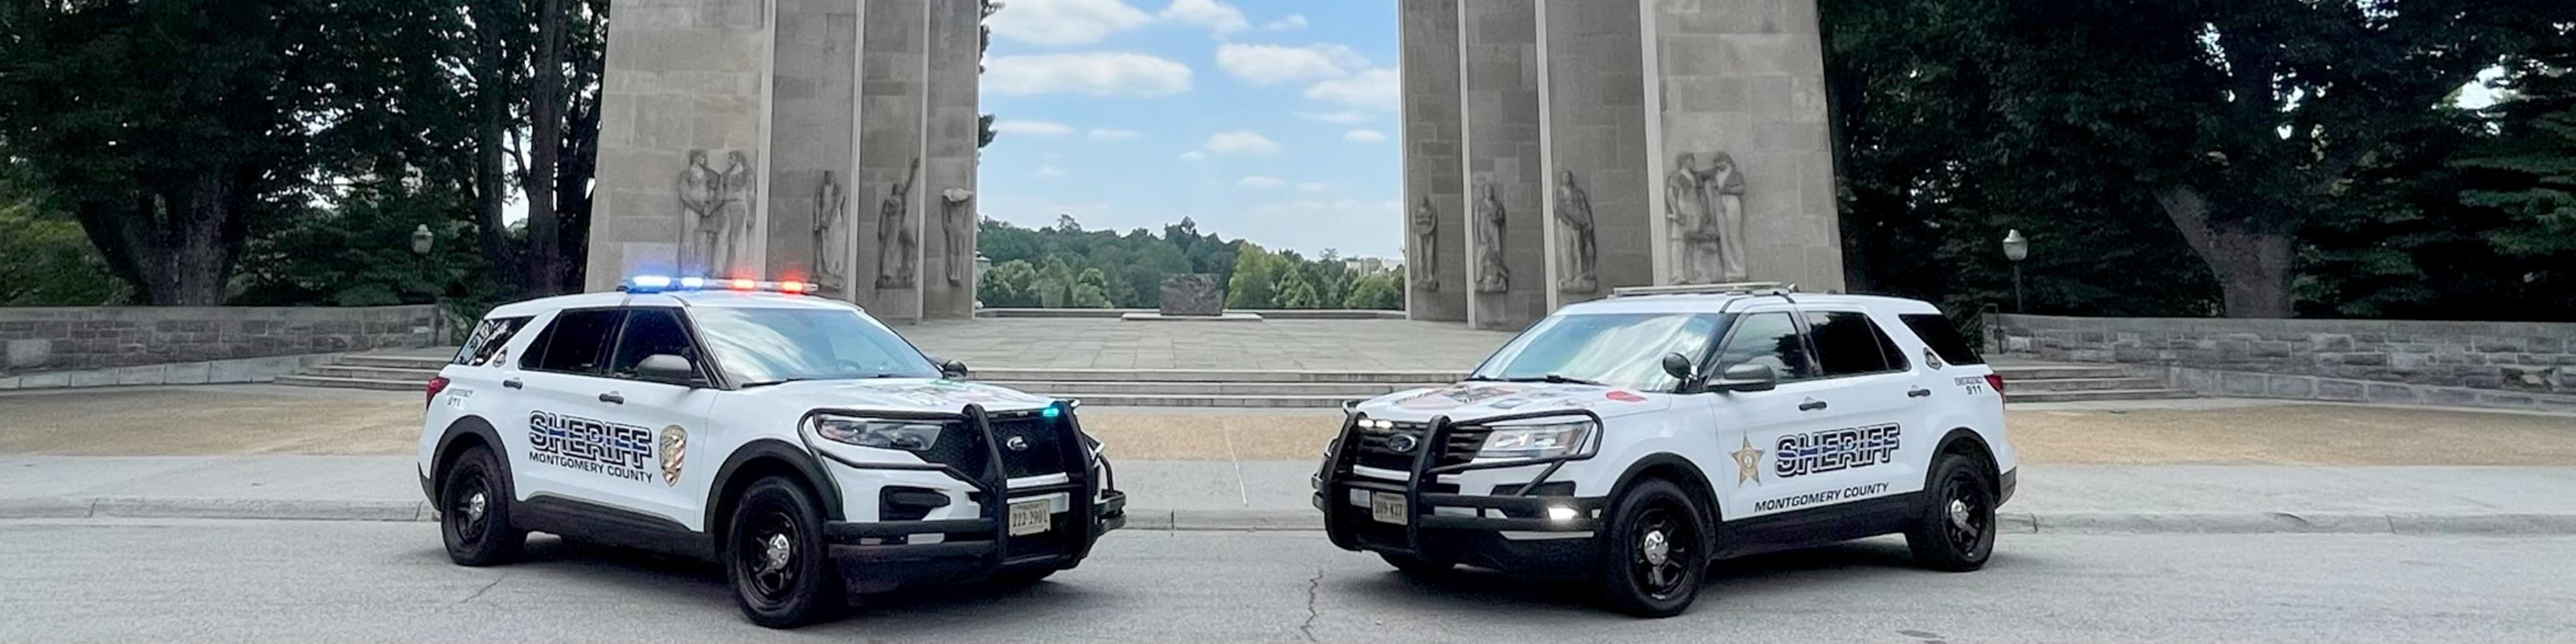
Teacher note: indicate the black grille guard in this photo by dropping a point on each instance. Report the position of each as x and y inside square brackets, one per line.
[1093, 516]
[1337, 476]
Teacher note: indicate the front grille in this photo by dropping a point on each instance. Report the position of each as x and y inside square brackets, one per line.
[1373, 451]
[1044, 453]
[960, 447]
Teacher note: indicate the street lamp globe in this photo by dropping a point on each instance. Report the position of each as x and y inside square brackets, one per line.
[2016, 247]
[422, 239]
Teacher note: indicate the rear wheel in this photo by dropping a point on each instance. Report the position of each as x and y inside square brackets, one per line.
[474, 511]
[1956, 532]
[1652, 551]
[774, 556]
[1412, 565]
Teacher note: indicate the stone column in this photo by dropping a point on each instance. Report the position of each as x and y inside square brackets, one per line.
[1739, 86]
[948, 165]
[1595, 129]
[813, 90]
[889, 177]
[1435, 202]
[685, 80]
[1506, 263]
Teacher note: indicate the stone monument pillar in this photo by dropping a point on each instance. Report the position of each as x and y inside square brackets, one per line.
[825, 141]
[1506, 232]
[1435, 201]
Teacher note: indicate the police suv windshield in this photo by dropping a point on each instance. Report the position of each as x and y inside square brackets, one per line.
[1612, 349]
[763, 346]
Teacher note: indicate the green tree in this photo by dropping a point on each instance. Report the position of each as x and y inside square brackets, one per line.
[1379, 291]
[1090, 290]
[44, 260]
[1011, 284]
[1255, 283]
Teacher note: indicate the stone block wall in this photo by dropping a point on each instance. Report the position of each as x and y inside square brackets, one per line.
[67, 338]
[2513, 364]
[1435, 183]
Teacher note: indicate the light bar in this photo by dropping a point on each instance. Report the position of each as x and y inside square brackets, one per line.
[665, 283]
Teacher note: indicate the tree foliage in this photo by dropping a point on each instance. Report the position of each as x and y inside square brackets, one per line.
[1066, 266]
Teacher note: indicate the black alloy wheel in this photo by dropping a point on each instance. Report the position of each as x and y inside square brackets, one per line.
[474, 512]
[775, 559]
[1957, 530]
[1653, 551]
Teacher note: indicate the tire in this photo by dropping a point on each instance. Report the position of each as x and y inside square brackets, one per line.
[1654, 551]
[774, 556]
[1956, 532]
[1412, 565]
[474, 511]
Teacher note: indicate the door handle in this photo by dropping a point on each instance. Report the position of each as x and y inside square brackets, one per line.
[612, 397]
[514, 383]
[1811, 405]
[1918, 392]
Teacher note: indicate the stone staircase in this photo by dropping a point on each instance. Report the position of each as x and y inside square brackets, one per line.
[2025, 382]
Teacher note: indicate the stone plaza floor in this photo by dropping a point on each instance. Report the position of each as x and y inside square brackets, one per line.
[1079, 343]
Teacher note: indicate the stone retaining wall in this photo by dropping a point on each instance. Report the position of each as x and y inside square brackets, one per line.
[46, 339]
[2501, 364]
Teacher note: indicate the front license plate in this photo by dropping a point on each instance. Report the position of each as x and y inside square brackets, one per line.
[1031, 517]
[1387, 507]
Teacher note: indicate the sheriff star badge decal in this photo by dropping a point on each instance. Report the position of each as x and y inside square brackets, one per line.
[1748, 464]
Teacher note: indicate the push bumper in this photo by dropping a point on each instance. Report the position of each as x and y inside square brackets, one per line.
[877, 555]
[1471, 529]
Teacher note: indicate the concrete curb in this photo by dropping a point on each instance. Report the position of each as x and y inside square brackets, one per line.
[2012, 522]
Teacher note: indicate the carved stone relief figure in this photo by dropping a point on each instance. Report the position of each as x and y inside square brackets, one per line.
[1577, 256]
[1727, 183]
[701, 222]
[831, 234]
[1704, 212]
[957, 218]
[895, 239]
[1426, 247]
[1491, 276]
[738, 222]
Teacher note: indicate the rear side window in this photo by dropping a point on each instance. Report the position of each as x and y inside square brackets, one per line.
[484, 344]
[1847, 344]
[577, 342]
[1937, 332]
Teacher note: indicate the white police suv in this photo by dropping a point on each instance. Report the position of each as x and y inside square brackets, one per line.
[804, 446]
[1633, 440]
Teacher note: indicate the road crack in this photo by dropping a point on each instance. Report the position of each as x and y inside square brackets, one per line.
[478, 592]
[1308, 628]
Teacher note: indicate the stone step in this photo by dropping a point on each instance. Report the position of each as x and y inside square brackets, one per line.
[1006, 374]
[371, 373]
[2013, 373]
[1081, 389]
[2015, 396]
[2080, 384]
[352, 383]
[393, 361]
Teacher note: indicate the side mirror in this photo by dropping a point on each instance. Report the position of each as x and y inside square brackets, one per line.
[953, 370]
[1680, 368]
[667, 369]
[1748, 377]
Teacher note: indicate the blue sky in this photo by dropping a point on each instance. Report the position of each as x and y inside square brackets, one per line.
[1268, 120]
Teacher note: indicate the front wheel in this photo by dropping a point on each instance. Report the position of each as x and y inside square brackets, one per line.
[1956, 532]
[1653, 551]
[774, 556]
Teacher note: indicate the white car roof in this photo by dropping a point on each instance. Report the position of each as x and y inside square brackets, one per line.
[700, 298]
[1715, 302]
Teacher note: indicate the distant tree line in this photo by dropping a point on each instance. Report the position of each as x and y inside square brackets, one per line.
[1064, 266]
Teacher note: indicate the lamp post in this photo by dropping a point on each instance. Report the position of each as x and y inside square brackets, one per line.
[982, 264]
[2016, 248]
[422, 239]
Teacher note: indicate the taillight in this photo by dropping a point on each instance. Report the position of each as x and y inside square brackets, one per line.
[436, 384]
[1996, 380]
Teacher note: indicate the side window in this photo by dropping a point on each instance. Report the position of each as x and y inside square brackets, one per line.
[648, 332]
[1846, 343]
[577, 342]
[483, 346]
[1768, 339]
[1937, 332]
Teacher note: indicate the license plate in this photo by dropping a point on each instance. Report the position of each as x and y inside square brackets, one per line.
[1387, 507]
[1031, 517]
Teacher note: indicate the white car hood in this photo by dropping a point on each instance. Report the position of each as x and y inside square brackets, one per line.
[900, 395]
[1472, 400]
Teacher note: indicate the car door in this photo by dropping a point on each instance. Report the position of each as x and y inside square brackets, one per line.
[1874, 403]
[1753, 423]
[566, 447]
[672, 414]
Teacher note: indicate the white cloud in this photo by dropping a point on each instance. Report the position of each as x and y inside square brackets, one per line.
[1345, 117]
[1364, 136]
[1193, 155]
[1050, 171]
[1378, 88]
[1216, 16]
[1035, 128]
[1312, 186]
[1241, 142]
[1103, 134]
[1095, 74]
[1059, 23]
[1258, 182]
[1293, 22]
[1274, 64]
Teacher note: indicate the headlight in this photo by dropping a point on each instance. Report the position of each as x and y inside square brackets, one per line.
[1538, 441]
[907, 435]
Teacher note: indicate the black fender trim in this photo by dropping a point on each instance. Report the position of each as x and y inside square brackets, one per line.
[821, 482]
[1994, 471]
[1696, 478]
[469, 425]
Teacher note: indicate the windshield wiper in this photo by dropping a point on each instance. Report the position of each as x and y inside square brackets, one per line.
[766, 383]
[1553, 379]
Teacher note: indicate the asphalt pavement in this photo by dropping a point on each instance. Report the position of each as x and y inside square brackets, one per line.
[308, 581]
